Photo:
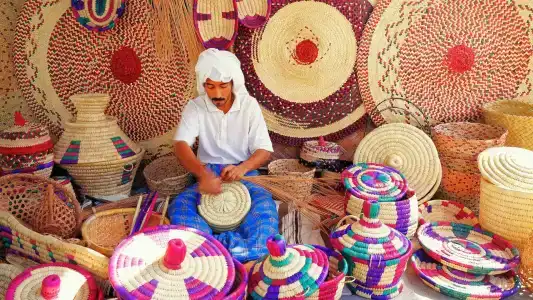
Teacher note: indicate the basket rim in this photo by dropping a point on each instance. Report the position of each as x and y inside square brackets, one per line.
[440, 130]
[151, 165]
[501, 108]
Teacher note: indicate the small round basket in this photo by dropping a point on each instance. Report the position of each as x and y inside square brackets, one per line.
[104, 230]
[447, 211]
[514, 115]
[526, 264]
[293, 168]
[320, 153]
[166, 176]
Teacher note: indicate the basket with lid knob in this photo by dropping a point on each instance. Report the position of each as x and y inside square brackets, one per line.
[320, 154]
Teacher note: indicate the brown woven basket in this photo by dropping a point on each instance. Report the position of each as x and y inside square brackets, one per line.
[516, 116]
[526, 264]
[43, 204]
[166, 176]
[103, 231]
[293, 168]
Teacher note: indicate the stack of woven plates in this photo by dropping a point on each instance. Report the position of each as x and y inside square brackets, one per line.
[466, 262]
[377, 254]
[227, 210]
[398, 204]
[320, 154]
[506, 200]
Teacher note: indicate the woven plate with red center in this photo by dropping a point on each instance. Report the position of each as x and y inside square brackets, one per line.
[301, 68]
[447, 57]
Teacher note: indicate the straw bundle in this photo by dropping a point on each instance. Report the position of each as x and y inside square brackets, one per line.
[514, 115]
[526, 264]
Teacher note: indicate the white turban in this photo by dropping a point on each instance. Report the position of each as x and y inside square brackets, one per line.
[221, 66]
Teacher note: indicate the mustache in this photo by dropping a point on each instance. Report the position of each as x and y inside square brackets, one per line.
[218, 99]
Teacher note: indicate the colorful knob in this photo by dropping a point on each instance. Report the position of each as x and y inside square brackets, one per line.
[175, 254]
[50, 287]
[321, 141]
[276, 245]
[371, 209]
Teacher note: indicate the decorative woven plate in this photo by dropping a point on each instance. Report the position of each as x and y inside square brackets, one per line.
[7, 274]
[192, 262]
[461, 285]
[98, 15]
[253, 13]
[447, 211]
[508, 167]
[301, 63]
[56, 57]
[227, 210]
[288, 272]
[435, 54]
[54, 281]
[374, 181]
[407, 149]
[216, 22]
[466, 248]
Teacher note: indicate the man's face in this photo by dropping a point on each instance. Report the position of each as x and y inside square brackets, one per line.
[219, 92]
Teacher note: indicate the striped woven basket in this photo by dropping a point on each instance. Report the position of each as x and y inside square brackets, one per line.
[332, 287]
[514, 115]
[526, 264]
[166, 176]
[240, 285]
[293, 168]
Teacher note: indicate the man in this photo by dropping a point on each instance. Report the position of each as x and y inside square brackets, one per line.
[233, 143]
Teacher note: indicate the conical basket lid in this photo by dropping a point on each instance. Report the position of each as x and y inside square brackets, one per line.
[508, 167]
[368, 181]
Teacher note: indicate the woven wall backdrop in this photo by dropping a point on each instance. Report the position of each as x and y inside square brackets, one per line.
[301, 68]
[57, 57]
[446, 58]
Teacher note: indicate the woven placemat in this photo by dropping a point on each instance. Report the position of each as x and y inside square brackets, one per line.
[448, 77]
[461, 285]
[253, 13]
[98, 15]
[301, 68]
[447, 211]
[467, 248]
[508, 167]
[56, 57]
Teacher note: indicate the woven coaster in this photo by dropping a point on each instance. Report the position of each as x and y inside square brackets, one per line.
[253, 13]
[56, 57]
[468, 249]
[508, 167]
[447, 211]
[435, 54]
[461, 285]
[301, 63]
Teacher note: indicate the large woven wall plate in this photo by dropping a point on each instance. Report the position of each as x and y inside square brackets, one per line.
[447, 57]
[301, 68]
[57, 57]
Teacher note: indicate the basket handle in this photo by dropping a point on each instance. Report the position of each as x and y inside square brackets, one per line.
[352, 217]
[49, 202]
[128, 167]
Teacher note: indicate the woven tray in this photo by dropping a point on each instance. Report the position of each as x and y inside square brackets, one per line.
[166, 176]
[446, 211]
[468, 249]
[514, 115]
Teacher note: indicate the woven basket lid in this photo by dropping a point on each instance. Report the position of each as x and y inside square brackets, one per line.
[92, 136]
[467, 248]
[369, 181]
[436, 55]
[98, 17]
[24, 138]
[407, 149]
[54, 281]
[190, 261]
[508, 167]
[370, 239]
[320, 150]
[462, 285]
[253, 13]
[288, 272]
[7, 274]
[448, 211]
[301, 68]
[147, 95]
[227, 210]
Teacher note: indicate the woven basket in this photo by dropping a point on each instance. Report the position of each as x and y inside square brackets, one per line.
[293, 168]
[320, 154]
[103, 231]
[166, 176]
[526, 264]
[47, 206]
[7, 274]
[240, 286]
[516, 116]
[332, 287]
[448, 211]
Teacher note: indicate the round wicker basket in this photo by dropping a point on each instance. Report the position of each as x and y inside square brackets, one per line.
[293, 168]
[166, 176]
[516, 116]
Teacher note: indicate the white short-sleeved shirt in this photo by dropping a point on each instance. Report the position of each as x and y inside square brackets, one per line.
[224, 138]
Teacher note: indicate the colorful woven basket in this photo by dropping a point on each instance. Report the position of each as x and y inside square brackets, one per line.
[377, 255]
[253, 13]
[227, 210]
[293, 168]
[333, 286]
[320, 154]
[516, 116]
[301, 68]
[195, 264]
[25, 242]
[447, 211]
[54, 281]
[103, 231]
[26, 148]
[398, 204]
[288, 272]
[526, 264]
[216, 23]
[166, 176]
[407, 149]
[467, 248]
[98, 17]
[447, 77]
[461, 285]
[240, 285]
[7, 274]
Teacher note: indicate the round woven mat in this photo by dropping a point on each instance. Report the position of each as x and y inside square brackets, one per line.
[7, 274]
[301, 68]
[374, 181]
[227, 210]
[137, 268]
[439, 56]
[461, 285]
[253, 13]
[56, 57]
[508, 167]
[76, 283]
[468, 249]
[407, 149]
[447, 211]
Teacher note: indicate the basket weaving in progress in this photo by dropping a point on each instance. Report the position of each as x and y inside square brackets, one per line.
[435, 54]
[227, 210]
[300, 66]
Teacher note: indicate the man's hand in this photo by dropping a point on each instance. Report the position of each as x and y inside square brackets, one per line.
[233, 173]
[209, 184]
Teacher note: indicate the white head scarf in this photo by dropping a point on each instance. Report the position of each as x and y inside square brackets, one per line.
[221, 66]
